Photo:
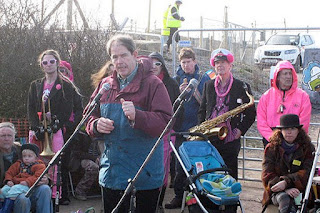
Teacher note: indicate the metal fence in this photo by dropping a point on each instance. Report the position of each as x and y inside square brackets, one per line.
[241, 41]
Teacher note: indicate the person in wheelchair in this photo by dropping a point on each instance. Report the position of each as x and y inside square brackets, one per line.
[287, 163]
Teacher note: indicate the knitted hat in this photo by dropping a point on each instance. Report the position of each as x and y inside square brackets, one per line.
[68, 66]
[32, 147]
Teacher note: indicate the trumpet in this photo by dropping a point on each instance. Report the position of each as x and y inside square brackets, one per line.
[47, 151]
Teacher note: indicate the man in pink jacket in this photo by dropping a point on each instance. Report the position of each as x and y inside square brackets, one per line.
[284, 97]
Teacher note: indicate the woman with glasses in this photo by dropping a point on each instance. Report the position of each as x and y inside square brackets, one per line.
[50, 104]
[159, 69]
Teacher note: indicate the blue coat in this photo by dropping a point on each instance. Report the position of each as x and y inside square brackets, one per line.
[191, 108]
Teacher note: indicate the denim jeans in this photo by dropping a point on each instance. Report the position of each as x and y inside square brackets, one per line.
[39, 201]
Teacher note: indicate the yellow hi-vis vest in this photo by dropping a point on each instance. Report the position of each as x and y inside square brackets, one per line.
[171, 21]
[165, 31]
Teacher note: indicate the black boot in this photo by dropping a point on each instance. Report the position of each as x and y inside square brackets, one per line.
[7, 206]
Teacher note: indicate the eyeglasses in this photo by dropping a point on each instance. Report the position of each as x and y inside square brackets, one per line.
[63, 70]
[158, 64]
[52, 61]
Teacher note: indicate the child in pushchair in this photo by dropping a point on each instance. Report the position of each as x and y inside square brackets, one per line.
[211, 188]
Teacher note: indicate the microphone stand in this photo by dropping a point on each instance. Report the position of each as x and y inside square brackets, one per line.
[132, 182]
[58, 184]
[55, 157]
[311, 175]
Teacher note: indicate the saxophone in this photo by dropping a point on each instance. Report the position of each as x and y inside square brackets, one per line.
[209, 127]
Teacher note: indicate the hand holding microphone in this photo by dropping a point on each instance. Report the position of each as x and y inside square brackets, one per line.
[188, 89]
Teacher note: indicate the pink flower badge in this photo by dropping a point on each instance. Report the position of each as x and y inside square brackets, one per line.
[58, 86]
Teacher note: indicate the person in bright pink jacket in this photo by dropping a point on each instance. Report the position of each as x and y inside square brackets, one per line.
[284, 97]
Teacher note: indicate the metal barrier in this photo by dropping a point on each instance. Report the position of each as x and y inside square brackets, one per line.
[174, 43]
[246, 159]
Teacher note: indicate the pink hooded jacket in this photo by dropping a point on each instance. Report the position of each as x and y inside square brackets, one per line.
[295, 101]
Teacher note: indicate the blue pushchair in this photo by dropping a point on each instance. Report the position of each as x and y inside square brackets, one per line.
[210, 188]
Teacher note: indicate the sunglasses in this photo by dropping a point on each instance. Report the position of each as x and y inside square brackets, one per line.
[52, 61]
[63, 70]
[158, 64]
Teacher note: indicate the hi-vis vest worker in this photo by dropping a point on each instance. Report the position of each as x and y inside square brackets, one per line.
[171, 21]
[165, 31]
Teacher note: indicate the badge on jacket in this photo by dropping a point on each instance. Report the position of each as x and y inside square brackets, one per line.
[296, 162]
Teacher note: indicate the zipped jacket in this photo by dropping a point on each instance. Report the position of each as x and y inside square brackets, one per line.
[294, 101]
[16, 173]
[191, 107]
[128, 145]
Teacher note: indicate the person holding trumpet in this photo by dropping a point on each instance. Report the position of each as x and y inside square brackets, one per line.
[50, 104]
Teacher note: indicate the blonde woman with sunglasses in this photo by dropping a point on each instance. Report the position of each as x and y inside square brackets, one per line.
[53, 97]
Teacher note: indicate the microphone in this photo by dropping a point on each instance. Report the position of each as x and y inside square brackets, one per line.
[105, 87]
[191, 86]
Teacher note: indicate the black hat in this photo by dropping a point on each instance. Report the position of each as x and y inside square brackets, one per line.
[289, 121]
[32, 147]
